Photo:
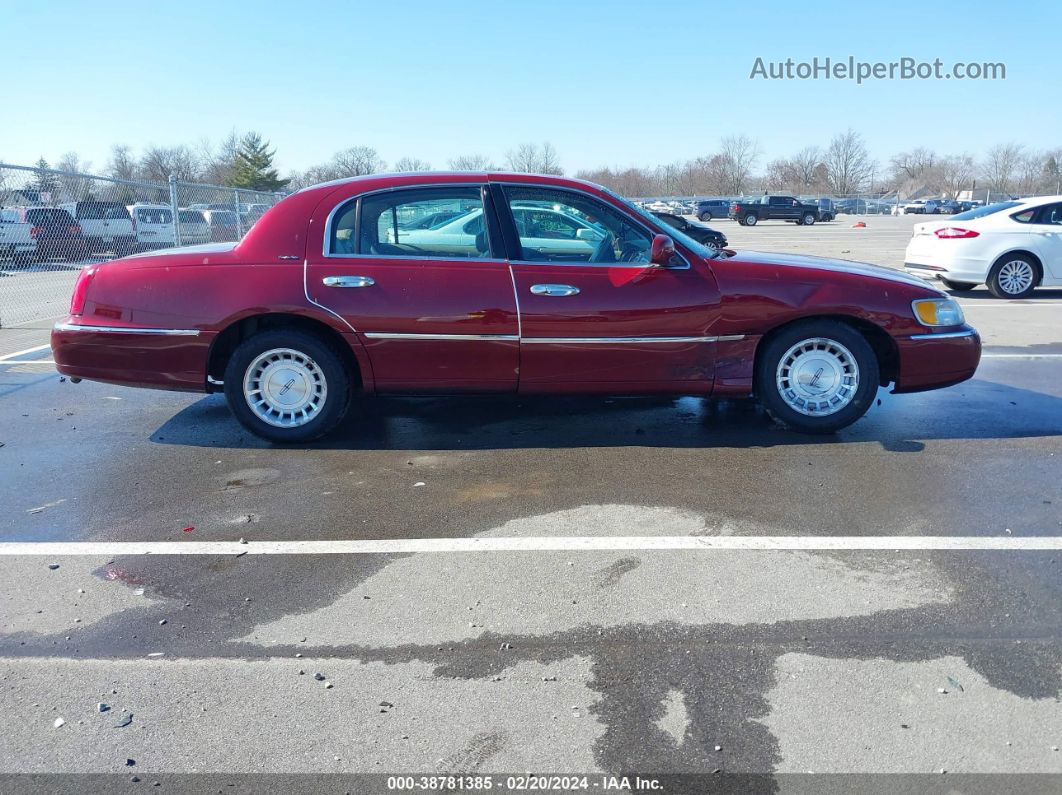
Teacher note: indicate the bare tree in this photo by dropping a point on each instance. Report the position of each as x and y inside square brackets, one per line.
[357, 161]
[158, 162]
[534, 159]
[738, 155]
[848, 164]
[1000, 164]
[913, 164]
[412, 164]
[474, 162]
[122, 164]
[956, 173]
[219, 163]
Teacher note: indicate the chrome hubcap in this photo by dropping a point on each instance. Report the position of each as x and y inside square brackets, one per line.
[1015, 276]
[817, 377]
[285, 388]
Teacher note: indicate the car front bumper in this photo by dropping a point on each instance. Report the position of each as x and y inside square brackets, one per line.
[937, 359]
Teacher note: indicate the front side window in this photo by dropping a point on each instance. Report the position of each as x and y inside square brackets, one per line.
[422, 222]
[562, 226]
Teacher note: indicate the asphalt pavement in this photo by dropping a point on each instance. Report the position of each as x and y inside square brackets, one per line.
[747, 667]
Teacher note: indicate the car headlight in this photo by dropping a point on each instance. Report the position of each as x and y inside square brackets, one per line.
[938, 312]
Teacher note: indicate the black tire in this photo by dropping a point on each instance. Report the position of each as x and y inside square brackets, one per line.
[958, 286]
[705, 216]
[750, 219]
[769, 392]
[323, 354]
[997, 276]
[808, 219]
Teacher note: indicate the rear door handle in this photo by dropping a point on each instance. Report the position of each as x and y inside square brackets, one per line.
[348, 281]
[555, 290]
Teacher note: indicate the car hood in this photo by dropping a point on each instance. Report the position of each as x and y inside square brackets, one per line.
[832, 265]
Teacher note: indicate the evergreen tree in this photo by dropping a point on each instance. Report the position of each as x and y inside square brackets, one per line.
[253, 169]
[45, 181]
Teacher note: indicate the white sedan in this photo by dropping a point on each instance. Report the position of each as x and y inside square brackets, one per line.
[1013, 247]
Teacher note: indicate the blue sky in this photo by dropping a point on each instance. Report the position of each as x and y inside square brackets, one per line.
[611, 82]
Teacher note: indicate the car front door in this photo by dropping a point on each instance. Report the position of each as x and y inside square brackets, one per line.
[1047, 229]
[606, 320]
[433, 316]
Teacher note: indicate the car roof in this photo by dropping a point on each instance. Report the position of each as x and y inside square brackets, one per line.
[401, 178]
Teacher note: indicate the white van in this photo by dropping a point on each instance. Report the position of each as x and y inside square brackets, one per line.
[106, 226]
[153, 224]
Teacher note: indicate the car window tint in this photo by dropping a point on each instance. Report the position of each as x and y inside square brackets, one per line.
[1051, 214]
[154, 216]
[1025, 216]
[400, 224]
[574, 227]
[191, 217]
[8, 216]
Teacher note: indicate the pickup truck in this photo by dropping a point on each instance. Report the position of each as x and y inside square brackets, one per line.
[785, 208]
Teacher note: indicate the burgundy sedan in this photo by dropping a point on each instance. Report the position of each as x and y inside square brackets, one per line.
[519, 284]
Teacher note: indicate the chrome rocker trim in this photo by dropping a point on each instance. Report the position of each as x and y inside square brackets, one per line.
[382, 335]
[165, 332]
[946, 335]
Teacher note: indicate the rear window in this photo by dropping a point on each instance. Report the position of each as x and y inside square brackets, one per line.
[48, 215]
[219, 218]
[150, 215]
[101, 211]
[191, 217]
[981, 212]
[9, 216]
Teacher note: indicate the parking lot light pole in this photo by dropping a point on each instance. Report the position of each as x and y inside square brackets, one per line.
[176, 211]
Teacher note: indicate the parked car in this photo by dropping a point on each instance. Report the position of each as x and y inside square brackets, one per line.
[645, 310]
[154, 226]
[947, 207]
[16, 239]
[708, 209]
[55, 234]
[785, 208]
[916, 207]
[851, 206]
[194, 227]
[224, 225]
[1013, 247]
[106, 226]
[827, 210]
[698, 231]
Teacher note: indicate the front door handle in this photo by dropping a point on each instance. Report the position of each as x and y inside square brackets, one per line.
[555, 290]
[348, 281]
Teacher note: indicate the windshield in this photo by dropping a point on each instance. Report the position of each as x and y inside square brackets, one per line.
[699, 249]
[981, 212]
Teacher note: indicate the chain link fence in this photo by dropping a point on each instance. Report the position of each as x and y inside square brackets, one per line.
[52, 223]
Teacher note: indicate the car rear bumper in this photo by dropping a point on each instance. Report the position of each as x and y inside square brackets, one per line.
[130, 355]
[937, 359]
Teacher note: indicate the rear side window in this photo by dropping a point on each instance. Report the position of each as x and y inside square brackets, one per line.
[51, 216]
[101, 211]
[191, 217]
[424, 222]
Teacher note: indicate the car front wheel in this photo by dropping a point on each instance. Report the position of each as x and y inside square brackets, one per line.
[287, 386]
[1013, 276]
[817, 376]
[705, 216]
[808, 219]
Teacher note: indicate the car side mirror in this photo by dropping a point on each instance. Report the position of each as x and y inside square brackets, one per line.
[662, 250]
[591, 235]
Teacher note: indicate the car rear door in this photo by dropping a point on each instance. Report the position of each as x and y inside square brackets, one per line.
[1047, 234]
[431, 319]
[607, 321]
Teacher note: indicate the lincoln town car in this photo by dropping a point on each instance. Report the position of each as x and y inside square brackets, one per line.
[527, 284]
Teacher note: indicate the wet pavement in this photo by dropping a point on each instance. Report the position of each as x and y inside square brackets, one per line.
[772, 663]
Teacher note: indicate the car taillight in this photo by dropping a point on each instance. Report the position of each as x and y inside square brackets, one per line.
[77, 300]
[34, 231]
[951, 232]
[75, 229]
[737, 208]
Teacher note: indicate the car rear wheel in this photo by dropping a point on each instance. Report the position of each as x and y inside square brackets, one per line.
[808, 219]
[287, 386]
[1013, 276]
[958, 286]
[750, 220]
[817, 376]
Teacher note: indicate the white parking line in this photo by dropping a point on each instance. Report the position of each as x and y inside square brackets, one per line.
[532, 544]
[1021, 355]
[27, 361]
[23, 353]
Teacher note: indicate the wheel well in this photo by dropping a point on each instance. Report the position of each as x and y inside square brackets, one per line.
[1022, 252]
[879, 340]
[229, 339]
